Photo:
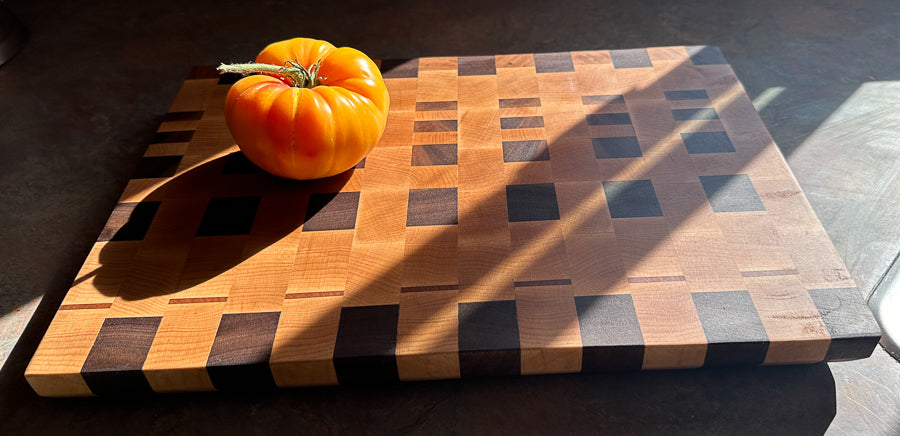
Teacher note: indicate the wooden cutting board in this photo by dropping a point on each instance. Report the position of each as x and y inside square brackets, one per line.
[523, 214]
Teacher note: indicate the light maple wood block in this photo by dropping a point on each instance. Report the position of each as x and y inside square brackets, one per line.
[403, 94]
[387, 167]
[645, 249]
[479, 129]
[558, 92]
[672, 333]
[796, 333]
[374, 274]
[600, 270]
[55, 369]
[582, 208]
[427, 349]
[385, 216]
[320, 264]
[177, 359]
[514, 61]
[431, 257]
[483, 216]
[99, 278]
[478, 92]
[437, 85]
[439, 176]
[516, 83]
[667, 54]
[304, 343]
[484, 273]
[437, 64]
[480, 169]
[548, 330]
[538, 251]
[596, 79]
[518, 173]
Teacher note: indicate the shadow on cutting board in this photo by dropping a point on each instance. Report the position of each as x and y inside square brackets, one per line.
[211, 217]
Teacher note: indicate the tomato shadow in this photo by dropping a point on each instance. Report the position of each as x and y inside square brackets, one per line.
[163, 238]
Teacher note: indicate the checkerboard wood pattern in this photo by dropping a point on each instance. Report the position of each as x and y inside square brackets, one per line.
[523, 214]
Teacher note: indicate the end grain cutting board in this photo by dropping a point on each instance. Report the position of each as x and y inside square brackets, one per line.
[523, 214]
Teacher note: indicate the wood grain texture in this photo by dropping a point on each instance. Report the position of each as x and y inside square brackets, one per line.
[427, 348]
[239, 357]
[548, 327]
[176, 362]
[118, 354]
[304, 342]
[521, 214]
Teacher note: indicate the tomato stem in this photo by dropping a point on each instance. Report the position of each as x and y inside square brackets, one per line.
[298, 75]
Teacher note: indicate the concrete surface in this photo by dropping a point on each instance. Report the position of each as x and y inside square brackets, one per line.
[84, 97]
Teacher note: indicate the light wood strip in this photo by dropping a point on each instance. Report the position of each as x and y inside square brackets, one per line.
[374, 274]
[304, 342]
[177, 359]
[673, 336]
[55, 369]
[548, 330]
[427, 339]
[795, 329]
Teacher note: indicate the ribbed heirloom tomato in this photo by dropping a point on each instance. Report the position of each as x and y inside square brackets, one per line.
[315, 112]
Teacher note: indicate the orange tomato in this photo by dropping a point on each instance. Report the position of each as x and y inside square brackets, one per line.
[308, 130]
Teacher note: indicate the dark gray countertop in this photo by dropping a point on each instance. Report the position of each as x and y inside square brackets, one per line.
[81, 101]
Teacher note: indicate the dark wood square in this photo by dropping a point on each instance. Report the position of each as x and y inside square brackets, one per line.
[532, 202]
[847, 319]
[183, 116]
[603, 99]
[477, 66]
[366, 344]
[129, 221]
[520, 102]
[434, 154]
[632, 199]
[731, 193]
[432, 207]
[172, 137]
[521, 122]
[240, 353]
[607, 322]
[525, 151]
[157, 166]
[616, 148]
[693, 114]
[400, 68]
[237, 163]
[228, 216]
[113, 365]
[436, 106]
[488, 339]
[690, 94]
[707, 142]
[553, 63]
[630, 58]
[706, 55]
[732, 327]
[435, 126]
[613, 119]
[331, 211]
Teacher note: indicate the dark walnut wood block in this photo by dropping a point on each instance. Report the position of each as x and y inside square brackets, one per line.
[523, 214]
